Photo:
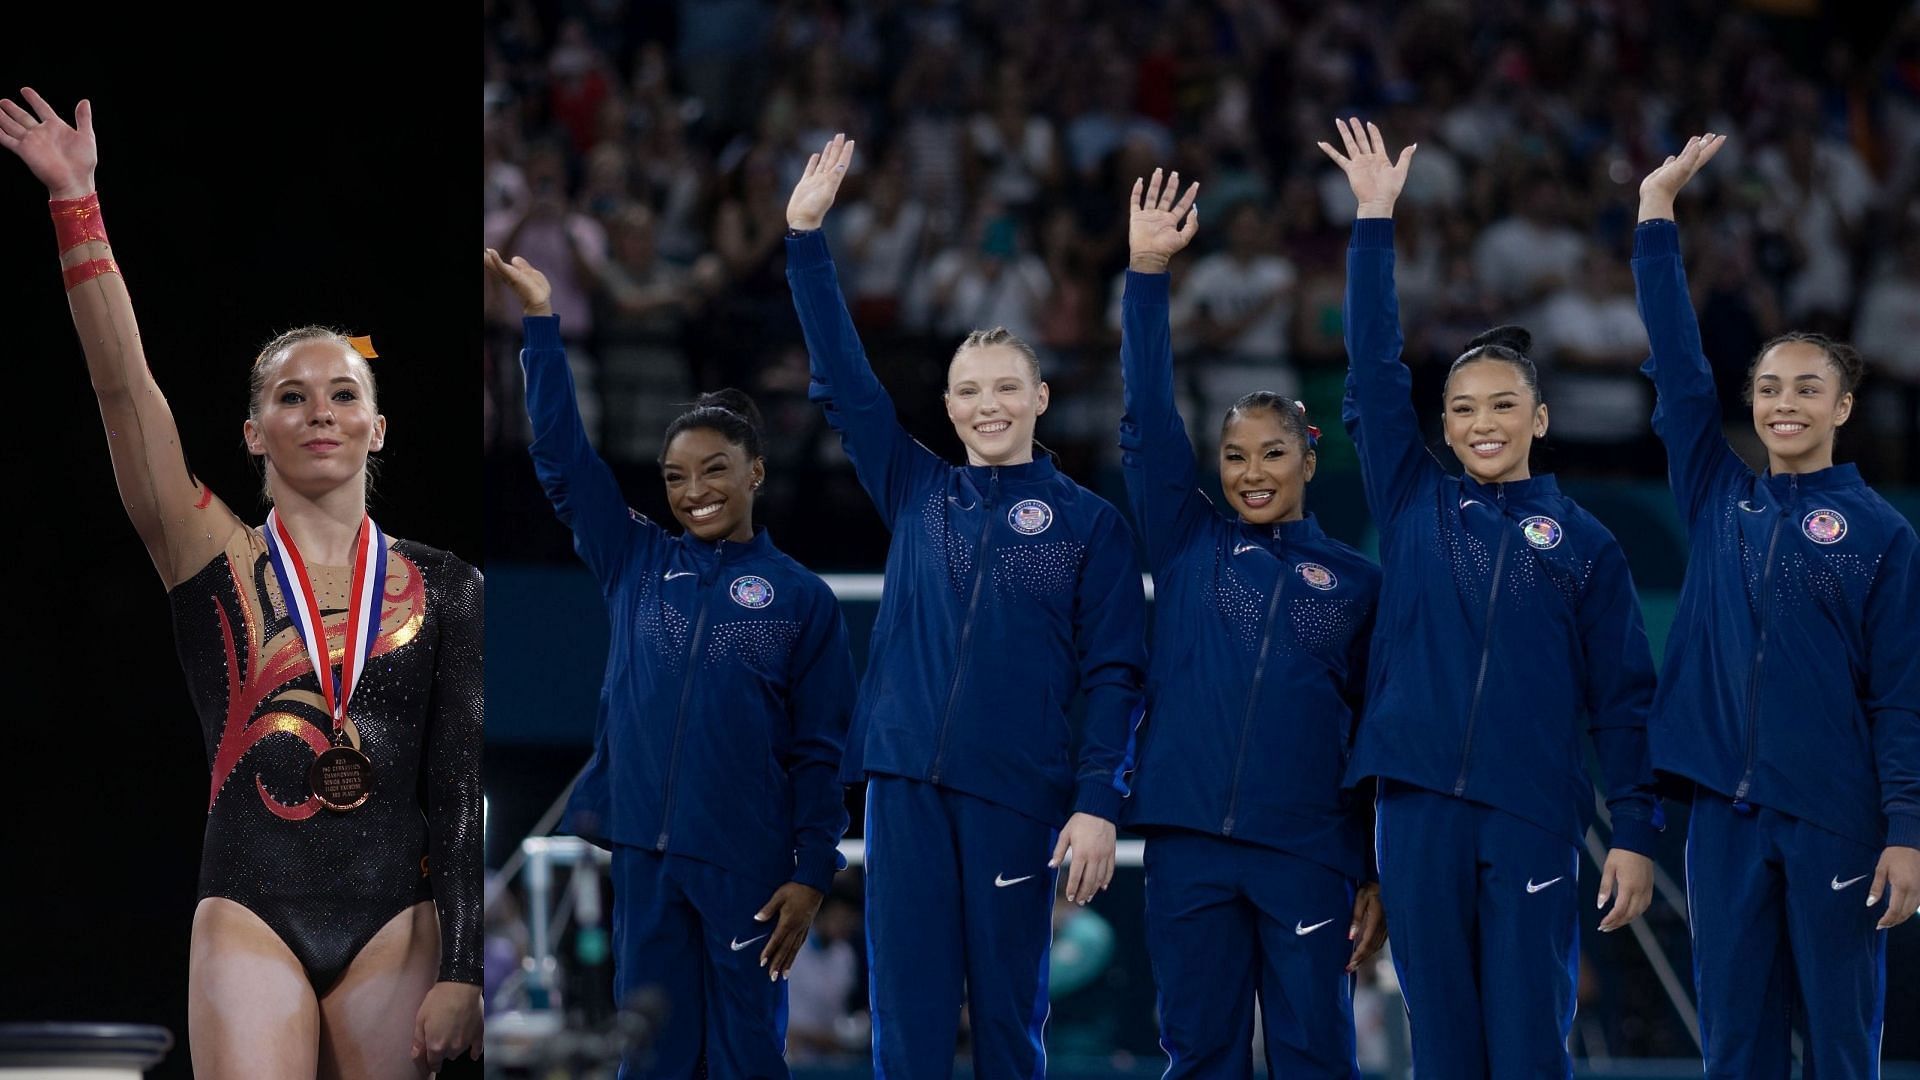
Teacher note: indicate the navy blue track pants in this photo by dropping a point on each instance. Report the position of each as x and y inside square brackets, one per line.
[685, 929]
[1779, 914]
[1228, 921]
[959, 901]
[1482, 918]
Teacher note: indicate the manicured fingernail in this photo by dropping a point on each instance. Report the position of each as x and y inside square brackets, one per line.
[1600, 901]
[1872, 899]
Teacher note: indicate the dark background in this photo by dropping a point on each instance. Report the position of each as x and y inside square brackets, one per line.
[254, 177]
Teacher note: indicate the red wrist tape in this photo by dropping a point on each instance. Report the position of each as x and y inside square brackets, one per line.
[88, 270]
[76, 221]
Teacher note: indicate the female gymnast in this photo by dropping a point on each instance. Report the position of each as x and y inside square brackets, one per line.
[1010, 591]
[725, 708]
[1506, 613]
[338, 930]
[1789, 706]
[1256, 850]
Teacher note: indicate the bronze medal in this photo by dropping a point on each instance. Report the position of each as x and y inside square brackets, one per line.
[342, 778]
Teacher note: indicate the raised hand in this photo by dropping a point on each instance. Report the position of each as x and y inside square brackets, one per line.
[1155, 232]
[813, 195]
[536, 296]
[1663, 184]
[1375, 177]
[62, 156]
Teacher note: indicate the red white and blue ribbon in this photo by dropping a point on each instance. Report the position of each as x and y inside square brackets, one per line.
[363, 608]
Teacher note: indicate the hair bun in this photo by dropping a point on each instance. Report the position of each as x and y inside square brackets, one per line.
[733, 401]
[1507, 337]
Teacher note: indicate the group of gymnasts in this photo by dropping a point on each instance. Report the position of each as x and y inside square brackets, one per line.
[1295, 698]
[1296, 695]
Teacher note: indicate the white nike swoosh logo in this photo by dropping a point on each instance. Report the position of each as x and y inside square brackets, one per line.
[1838, 884]
[1240, 548]
[1305, 930]
[738, 944]
[671, 574]
[1743, 504]
[1464, 503]
[1532, 888]
[1001, 882]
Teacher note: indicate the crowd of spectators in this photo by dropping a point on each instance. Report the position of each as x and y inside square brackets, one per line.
[642, 155]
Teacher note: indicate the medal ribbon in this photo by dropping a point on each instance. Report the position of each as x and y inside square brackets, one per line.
[363, 608]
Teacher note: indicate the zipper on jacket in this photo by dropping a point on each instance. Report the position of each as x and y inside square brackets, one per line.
[680, 719]
[966, 624]
[1253, 696]
[1760, 639]
[1486, 643]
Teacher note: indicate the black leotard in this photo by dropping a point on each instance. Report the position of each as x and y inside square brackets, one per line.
[327, 881]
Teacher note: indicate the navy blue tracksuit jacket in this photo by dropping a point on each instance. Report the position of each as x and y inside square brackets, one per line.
[1792, 678]
[729, 682]
[1009, 590]
[1507, 614]
[1260, 640]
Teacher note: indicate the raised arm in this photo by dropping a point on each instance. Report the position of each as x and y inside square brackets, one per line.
[1378, 409]
[892, 466]
[580, 485]
[1686, 412]
[178, 519]
[1162, 484]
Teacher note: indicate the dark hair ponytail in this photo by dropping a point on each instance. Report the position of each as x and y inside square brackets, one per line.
[1292, 415]
[730, 412]
[1508, 345]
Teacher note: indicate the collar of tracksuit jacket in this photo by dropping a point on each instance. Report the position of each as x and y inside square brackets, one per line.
[712, 553]
[1786, 485]
[1301, 531]
[989, 480]
[1500, 493]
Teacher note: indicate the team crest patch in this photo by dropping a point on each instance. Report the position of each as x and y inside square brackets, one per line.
[1030, 516]
[1317, 576]
[1824, 526]
[1542, 532]
[751, 591]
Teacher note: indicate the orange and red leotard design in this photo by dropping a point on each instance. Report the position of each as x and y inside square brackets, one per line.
[327, 881]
